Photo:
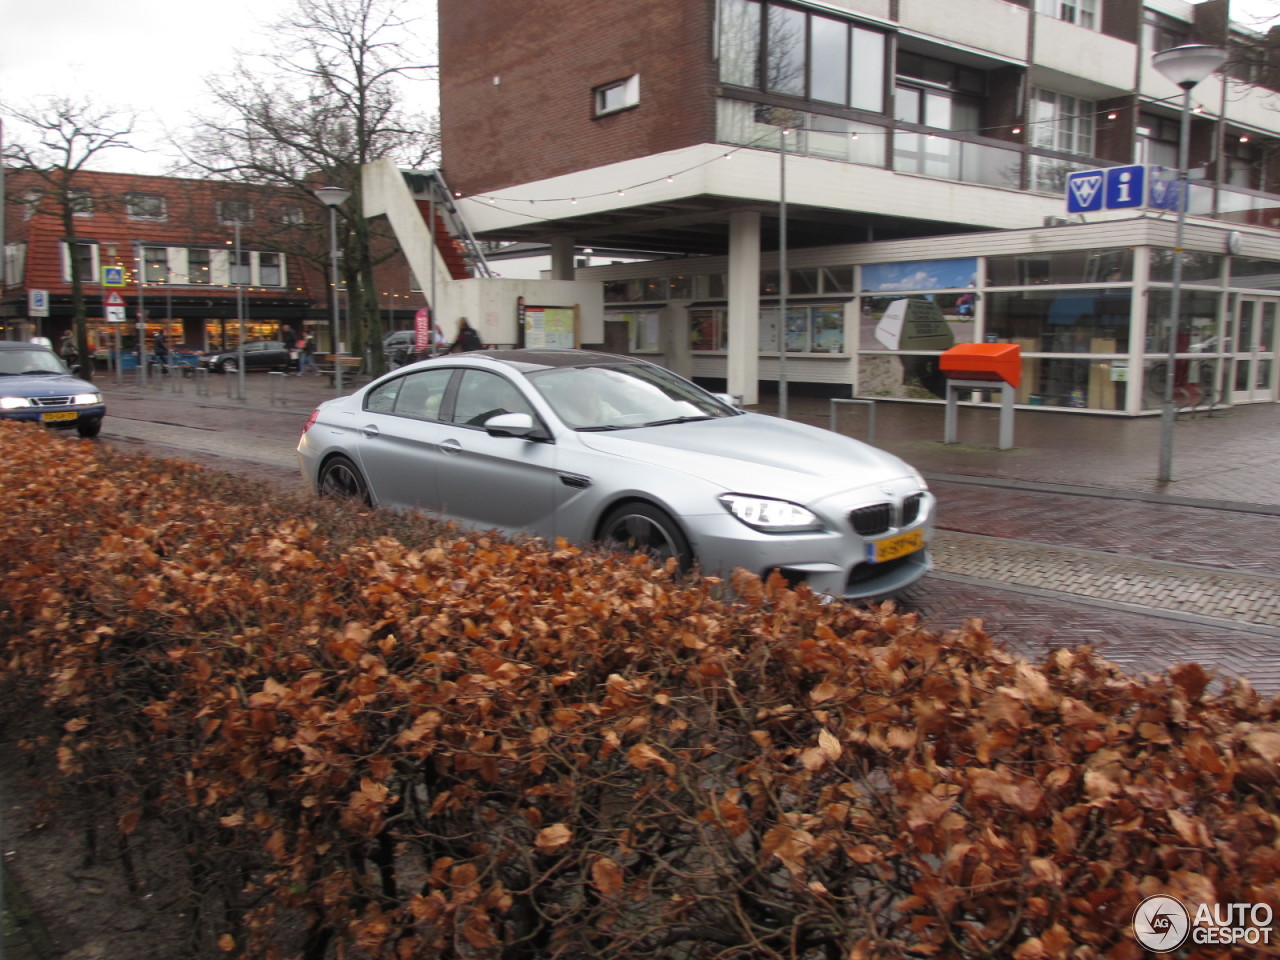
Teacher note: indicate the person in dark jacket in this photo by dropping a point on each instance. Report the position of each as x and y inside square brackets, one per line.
[467, 339]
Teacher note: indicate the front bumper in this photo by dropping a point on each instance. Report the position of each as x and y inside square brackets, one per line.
[63, 418]
[832, 562]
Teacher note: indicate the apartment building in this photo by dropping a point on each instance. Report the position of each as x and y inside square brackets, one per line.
[835, 191]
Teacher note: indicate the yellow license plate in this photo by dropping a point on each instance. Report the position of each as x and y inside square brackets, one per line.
[891, 548]
[59, 415]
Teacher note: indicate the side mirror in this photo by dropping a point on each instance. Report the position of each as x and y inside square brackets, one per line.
[511, 425]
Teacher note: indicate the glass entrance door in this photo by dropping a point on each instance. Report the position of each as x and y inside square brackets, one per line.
[1251, 356]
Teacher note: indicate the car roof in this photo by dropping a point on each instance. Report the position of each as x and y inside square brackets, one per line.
[528, 360]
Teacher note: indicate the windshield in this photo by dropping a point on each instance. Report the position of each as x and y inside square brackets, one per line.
[30, 360]
[620, 396]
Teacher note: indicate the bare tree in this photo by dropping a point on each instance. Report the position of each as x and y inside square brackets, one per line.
[60, 137]
[312, 112]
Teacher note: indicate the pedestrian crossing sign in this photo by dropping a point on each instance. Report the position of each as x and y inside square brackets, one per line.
[113, 276]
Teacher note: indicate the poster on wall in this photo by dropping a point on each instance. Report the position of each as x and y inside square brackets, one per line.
[550, 328]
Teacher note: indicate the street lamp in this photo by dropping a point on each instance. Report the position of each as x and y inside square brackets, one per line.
[1185, 66]
[334, 197]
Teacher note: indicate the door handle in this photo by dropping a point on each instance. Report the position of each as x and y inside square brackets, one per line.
[451, 446]
[370, 431]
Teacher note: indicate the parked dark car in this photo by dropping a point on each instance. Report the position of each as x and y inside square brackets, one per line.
[36, 385]
[258, 355]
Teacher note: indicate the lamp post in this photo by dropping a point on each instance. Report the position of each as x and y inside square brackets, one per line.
[334, 197]
[782, 271]
[1186, 66]
[235, 274]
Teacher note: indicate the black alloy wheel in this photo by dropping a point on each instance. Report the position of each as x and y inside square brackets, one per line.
[643, 528]
[340, 478]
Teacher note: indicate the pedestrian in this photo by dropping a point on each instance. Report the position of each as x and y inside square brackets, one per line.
[467, 340]
[438, 342]
[161, 351]
[67, 349]
[306, 356]
[289, 338]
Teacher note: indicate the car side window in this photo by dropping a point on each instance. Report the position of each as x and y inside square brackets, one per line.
[382, 399]
[483, 395]
[421, 394]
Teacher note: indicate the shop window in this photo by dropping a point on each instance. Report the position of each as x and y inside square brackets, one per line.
[1255, 274]
[1068, 266]
[708, 330]
[837, 279]
[810, 329]
[1197, 325]
[1197, 266]
[1060, 321]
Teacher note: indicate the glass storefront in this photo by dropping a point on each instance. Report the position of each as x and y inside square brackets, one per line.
[1092, 324]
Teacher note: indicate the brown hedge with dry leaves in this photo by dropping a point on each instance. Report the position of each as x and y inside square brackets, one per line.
[366, 736]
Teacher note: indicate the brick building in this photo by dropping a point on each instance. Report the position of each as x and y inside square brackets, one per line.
[171, 244]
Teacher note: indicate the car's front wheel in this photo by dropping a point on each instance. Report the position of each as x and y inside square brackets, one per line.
[230, 366]
[341, 478]
[89, 428]
[644, 528]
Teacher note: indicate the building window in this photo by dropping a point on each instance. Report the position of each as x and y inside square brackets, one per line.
[155, 264]
[1157, 141]
[235, 211]
[241, 269]
[30, 204]
[269, 270]
[198, 266]
[86, 259]
[619, 95]
[293, 215]
[1062, 122]
[145, 206]
[1083, 13]
[81, 202]
[786, 50]
[1161, 32]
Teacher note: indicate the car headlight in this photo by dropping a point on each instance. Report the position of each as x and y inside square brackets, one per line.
[771, 516]
[14, 403]
[84, 399]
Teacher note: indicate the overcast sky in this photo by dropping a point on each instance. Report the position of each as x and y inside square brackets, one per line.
[152, 56]
[149, 57]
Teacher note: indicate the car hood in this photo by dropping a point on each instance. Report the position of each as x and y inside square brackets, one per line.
[44, 385]
[758, 454]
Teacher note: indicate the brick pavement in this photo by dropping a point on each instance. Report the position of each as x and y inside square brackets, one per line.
[1065, 539]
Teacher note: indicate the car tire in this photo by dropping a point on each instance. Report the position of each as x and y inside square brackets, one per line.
[89, 429]
[229, 366]
[644, 528]
[340, 478]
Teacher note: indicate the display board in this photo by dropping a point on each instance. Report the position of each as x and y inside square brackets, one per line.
[549, 328]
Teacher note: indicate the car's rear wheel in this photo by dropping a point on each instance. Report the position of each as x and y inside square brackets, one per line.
[644, 528]
[341, 478]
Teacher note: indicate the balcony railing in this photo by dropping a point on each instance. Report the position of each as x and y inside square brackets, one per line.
[957, 158]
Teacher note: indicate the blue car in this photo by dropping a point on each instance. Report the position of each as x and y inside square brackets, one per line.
[36, 385]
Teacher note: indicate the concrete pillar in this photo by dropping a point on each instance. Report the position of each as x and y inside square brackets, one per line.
[743, 362]
[562, 267]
